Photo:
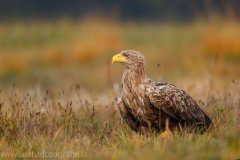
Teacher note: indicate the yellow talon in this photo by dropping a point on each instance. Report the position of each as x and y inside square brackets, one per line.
[166, 134]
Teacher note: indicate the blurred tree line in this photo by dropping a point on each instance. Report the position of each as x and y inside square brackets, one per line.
[177, 10]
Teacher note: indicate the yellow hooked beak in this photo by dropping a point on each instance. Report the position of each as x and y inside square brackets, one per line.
[119, 58]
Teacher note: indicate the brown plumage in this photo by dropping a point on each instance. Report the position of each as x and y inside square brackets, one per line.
[147, 106]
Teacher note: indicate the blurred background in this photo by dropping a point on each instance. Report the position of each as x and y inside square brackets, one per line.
[59, 43]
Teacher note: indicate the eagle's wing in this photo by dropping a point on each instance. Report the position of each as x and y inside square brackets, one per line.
[175, 102]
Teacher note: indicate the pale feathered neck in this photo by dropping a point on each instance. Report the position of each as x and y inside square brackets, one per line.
[135, 74]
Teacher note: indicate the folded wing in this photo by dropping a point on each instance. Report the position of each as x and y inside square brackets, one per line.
[177, 103]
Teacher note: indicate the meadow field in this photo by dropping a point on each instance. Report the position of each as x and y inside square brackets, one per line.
[58, 88]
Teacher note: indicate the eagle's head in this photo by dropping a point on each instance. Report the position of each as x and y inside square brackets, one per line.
[130, 59]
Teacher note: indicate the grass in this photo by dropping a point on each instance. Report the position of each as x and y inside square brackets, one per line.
[58, 90]
[89, 124]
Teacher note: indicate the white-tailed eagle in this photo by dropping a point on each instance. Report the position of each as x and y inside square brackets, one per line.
[149, 106]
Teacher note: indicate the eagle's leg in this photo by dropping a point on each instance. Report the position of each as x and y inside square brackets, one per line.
[167, 133]
[127, 116]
